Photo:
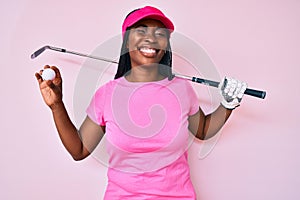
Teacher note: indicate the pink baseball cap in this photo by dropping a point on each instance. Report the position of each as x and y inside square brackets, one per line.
[146, 12]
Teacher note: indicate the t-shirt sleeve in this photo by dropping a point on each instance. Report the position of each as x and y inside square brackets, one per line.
[95, 110]
[194, 101]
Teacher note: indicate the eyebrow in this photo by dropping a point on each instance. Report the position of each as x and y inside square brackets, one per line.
[141, 25]
[144, 25]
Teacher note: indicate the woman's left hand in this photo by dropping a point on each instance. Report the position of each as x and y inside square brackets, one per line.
[232, 91]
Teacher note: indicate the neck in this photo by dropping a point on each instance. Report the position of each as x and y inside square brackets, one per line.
[144, 74]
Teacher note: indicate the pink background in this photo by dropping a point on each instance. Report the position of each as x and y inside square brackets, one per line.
[256, 156]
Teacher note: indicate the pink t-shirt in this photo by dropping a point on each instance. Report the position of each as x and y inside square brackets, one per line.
[147, 137]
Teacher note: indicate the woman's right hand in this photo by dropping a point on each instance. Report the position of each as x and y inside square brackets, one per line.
[51, 90]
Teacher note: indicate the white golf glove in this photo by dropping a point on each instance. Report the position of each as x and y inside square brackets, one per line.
[232, 92]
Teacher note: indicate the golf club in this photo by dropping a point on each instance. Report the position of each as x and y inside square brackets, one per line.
[248, 91]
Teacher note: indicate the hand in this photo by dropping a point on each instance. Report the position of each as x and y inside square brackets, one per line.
[51, 90]
[232, 91]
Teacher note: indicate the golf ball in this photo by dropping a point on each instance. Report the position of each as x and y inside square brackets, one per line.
[48, 74]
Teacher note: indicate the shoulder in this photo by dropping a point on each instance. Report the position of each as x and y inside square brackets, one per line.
[183, 83]
[109, 84]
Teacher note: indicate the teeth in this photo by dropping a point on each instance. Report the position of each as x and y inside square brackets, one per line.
[147, 50]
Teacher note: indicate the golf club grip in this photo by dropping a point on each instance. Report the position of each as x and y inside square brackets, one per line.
[248, 91]
[255, 93]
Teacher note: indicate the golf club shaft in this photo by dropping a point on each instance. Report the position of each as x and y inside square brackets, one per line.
[41, 50]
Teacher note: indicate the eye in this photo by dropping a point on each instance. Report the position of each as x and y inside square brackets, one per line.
[161, 33]
[140, 30]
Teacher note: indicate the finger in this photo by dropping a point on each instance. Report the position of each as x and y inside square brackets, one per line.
[46, 66]
[231, 87]
[57, 72]
[242, 90]
[58, 79]
[39, 78]
[50, 84]
[237, 91]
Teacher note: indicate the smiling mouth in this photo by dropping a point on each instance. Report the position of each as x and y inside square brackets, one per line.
[148, 52]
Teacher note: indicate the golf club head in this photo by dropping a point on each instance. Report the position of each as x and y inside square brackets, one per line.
[39, 51]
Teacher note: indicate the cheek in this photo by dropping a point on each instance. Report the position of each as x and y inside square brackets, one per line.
[163, 44]
[132, 54]
[131, 42]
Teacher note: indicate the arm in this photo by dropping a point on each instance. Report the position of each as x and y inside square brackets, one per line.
[206, 126]
[79, 143]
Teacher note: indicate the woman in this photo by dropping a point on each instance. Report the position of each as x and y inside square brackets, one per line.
[148, 154]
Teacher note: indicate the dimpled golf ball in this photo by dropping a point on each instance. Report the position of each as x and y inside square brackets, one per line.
[48, 74]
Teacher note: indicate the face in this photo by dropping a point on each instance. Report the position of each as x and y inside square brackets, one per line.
[147, 42]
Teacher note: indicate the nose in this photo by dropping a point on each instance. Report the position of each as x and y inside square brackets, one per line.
[150, 37]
